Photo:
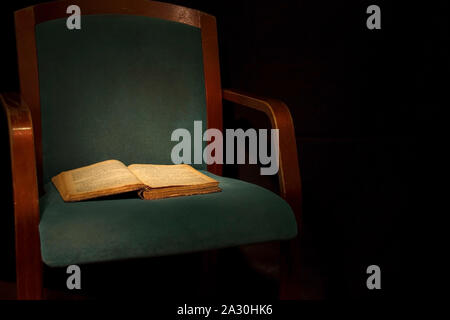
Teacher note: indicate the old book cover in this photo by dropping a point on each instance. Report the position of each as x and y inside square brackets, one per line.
[150, 181]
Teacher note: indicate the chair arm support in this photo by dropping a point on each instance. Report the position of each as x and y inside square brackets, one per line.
[280, 118]
[25, 190]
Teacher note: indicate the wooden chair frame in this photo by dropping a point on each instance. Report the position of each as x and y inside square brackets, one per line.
[24, 123]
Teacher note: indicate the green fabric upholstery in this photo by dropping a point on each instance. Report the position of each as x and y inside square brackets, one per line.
[113, 229]
[116, 89]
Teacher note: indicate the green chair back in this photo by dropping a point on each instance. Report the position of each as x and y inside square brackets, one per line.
[116, 89]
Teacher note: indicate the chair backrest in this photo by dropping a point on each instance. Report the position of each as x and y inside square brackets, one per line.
[120, 85]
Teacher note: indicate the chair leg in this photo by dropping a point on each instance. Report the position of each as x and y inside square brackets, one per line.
[209, 271]
[290, 284]
[29, 276]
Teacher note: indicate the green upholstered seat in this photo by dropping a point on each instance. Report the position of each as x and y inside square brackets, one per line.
[113, 229]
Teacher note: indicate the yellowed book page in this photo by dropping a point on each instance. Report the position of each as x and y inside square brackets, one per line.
[100, 179]
[160, 176]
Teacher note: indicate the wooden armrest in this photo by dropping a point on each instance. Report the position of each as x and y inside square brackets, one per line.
[25, 191]
[280, 118]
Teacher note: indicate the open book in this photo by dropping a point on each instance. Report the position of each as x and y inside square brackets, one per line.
[150, 181]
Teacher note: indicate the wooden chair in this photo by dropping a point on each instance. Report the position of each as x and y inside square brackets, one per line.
[115, 89]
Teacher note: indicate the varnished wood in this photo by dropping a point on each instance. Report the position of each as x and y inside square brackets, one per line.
[57, 9]
[288, 176]
[280, 118]
[25, 193]
[212, 78]
[28, 77]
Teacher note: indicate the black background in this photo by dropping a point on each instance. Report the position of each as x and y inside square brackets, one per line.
[354, 95]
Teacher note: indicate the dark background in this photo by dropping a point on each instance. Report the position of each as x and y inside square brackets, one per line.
[353, 94]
